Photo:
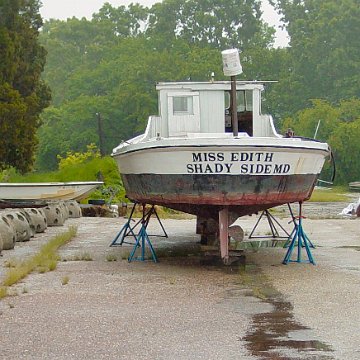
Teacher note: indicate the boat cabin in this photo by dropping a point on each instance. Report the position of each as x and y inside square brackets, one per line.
[189, 108]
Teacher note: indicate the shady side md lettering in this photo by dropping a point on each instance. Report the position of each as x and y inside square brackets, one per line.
[259, 163]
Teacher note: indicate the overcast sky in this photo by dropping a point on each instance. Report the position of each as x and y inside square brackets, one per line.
[85, 8]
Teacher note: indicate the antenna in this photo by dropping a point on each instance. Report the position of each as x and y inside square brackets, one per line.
[317, 128]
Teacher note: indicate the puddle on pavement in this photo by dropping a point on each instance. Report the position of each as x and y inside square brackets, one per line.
[274, 333]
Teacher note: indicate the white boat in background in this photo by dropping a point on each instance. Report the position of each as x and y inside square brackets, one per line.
[355, 186]
[76, 190]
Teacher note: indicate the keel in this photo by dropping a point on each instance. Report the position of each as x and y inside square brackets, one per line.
[224, 234]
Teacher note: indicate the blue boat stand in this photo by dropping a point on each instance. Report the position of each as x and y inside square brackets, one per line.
[298, 238]
[125, 231]
[129, 229]
[142, 238]
[294, 220]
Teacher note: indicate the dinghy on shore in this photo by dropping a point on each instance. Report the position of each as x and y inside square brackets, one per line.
[18, 193]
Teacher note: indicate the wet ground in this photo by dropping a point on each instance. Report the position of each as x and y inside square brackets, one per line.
[275, 334]
[187, 306]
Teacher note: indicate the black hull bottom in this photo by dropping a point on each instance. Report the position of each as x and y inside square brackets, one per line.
[205, 195]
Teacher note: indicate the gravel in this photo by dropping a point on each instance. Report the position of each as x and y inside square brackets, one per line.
[177, 308]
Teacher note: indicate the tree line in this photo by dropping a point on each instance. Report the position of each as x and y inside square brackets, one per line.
[109, 65]
[23, 94]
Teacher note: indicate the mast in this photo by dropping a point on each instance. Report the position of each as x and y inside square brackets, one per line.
[232, 67]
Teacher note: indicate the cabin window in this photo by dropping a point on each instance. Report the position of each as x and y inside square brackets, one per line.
[183, 105]
[243, 100]
[244, 104]
[183, 113]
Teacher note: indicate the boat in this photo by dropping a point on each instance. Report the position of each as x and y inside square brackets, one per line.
[22, 204]
[212, 153]
[24, 193]
[354, 186]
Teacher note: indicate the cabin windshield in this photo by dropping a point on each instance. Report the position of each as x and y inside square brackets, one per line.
[244, 105]
[244, 100]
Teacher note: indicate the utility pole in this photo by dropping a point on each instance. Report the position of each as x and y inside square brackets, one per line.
[100, 134]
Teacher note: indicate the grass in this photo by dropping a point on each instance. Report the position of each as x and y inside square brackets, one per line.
[3, 292]
[125, 255]
[336, 194]
[111, 257]
[253, 279]
[45, 260]
[11, 263]
[65, 280]
[85, 256]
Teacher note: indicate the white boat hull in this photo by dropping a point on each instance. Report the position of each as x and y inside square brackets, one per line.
[195, 175]
[47, 191]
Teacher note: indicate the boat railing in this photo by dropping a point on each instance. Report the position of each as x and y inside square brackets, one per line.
[153, 127]
[268, 127]
[124, 144]
[153, 130]
[215, 135]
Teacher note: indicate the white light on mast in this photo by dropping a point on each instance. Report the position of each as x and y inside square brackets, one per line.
[231, 62]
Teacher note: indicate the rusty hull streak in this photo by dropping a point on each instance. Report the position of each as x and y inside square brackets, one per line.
[207, 194]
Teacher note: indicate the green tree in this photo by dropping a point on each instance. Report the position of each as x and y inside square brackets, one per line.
[23, 94]
[121, 88]
[81, 44]
[322, 115]
[346, 146]
[339, 126]
[68, 44]
[324, 50]
[122, 21]
[218, 23]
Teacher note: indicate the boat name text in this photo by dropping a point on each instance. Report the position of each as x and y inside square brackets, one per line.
[236, 163]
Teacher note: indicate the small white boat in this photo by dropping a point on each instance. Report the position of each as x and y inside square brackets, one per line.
[47, 190]
[355, 186]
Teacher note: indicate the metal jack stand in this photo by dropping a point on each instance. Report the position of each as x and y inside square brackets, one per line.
[128, 228]
[125, 231]
[141, 240]
[294, 220]
[300, 238]
[272, 223]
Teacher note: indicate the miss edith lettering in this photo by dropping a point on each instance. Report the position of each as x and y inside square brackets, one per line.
[259, 163]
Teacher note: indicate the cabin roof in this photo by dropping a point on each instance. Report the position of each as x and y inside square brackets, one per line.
[211, 85]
